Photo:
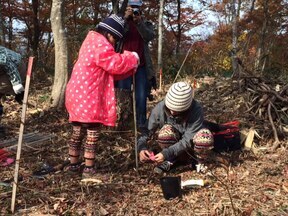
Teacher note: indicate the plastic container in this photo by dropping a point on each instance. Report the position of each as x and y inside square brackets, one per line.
[171, 186]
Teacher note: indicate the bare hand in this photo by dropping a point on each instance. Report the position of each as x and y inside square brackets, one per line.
[159, 158]
[144, 156]
[128, 12]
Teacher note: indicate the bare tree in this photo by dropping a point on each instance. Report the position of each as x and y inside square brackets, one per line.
[179, 29]
[61, 54]
[36, 26]
[10, 26]
[234, 39]
[262, 47]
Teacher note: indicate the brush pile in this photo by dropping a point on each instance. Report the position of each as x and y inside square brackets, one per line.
[257, 103]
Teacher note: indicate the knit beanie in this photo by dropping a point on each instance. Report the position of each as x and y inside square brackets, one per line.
[114, 25]
[135, 3]
[168, 135]
[179, 97]
[203, 139]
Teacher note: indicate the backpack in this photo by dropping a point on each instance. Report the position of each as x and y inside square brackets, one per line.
[226, 136]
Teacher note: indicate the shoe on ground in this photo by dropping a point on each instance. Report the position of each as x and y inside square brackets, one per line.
[164, 167]
[74, 168]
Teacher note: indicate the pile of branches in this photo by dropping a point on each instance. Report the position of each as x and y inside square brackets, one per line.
[269, 101]
[258, 103]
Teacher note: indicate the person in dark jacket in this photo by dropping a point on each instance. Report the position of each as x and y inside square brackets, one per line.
[138, 33]
[12, 72]
[178, 120]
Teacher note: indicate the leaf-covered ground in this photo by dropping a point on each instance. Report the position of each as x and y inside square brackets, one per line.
[252, 184]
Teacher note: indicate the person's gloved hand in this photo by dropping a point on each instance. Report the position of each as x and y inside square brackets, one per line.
[18, 89]
[153, 82]
[19, 97]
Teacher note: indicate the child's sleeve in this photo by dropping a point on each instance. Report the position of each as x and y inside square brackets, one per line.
[116, 63]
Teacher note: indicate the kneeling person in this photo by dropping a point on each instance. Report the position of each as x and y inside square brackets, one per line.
[12, 74]
[181, 137]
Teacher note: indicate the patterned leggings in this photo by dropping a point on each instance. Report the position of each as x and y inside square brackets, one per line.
[202, 143]
[79, 131]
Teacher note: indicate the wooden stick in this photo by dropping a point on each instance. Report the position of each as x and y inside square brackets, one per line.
[276, 141]
[23, 116]
[135, 123]
[160, 79]
[183, 63]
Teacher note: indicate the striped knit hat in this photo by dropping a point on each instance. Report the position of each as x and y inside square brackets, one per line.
[114, 25]
[203, 139]
[179, 97]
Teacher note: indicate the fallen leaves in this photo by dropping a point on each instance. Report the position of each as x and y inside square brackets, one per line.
[257, 185]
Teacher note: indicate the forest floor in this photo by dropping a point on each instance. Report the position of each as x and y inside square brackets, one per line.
[252, 184]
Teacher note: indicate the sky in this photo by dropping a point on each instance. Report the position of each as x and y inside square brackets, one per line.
[203, 31]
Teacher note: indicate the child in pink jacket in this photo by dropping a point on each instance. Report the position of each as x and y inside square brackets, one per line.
[90, 93]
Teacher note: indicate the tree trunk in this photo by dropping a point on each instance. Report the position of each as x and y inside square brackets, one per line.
[10, 27]
[252, 6]
[61, 54]
[2, 26]
[160, 39]
[36, 32]
[261, 52]
[234, 39]
[123, 7]
[95, 6]
[178, 34]
[115, 6]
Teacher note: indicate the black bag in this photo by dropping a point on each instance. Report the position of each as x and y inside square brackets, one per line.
[226, 136]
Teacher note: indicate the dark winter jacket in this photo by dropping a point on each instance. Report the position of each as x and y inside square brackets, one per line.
[146, 30]
[10, 75]
[187, 124]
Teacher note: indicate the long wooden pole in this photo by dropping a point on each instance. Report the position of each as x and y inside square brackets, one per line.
[135, 122]
[182, 63]
[20, 139]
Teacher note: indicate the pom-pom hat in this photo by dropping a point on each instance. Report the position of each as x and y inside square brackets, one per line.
[114, 25]
[179, 97]
[135, 3]
[203, 139]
